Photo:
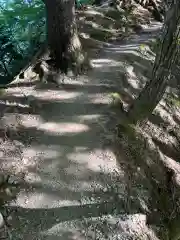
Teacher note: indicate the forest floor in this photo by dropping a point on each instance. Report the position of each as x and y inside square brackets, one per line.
[77, 178]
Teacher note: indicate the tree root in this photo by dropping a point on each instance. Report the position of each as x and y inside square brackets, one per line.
[152, 6]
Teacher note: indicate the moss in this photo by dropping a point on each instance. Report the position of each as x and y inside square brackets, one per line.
[175, 101]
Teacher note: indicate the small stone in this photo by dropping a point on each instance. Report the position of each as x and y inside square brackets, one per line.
[17, 143]
[9, 218]
[13, 180]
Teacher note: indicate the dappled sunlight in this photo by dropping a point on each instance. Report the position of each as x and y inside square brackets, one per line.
[153, 27]
[61, 231]
[98, 63]
[56, 95]
[64, 180]
[84, 118]
[93, 12]
[93, 24]
[97, 159]
[10, 120]
[131, 77]
[13, 104]
[35, 200]
[164, 114]
[31, 157]
[63, 128]
[66, 141]
[126, 48]
[101, 98]
[41, 152]
[31, 120]
[100, 28]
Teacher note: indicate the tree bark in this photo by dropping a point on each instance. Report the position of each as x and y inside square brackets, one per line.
[162, 69]
[62, 37]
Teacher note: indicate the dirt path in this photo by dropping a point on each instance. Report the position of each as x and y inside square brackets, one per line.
[69, 172]
[63, 157]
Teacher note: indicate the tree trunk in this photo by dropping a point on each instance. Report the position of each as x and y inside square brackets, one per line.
[62, 37]
[161, 73]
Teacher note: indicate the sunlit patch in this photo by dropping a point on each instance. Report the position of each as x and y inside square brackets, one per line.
[93, 12]
[43, 94]
[42, 200]
[132, 78]
[84, 35]
[95, 160]
[99, 99]
[25, 200]
[30, 157]
[55, 95]
[63, 231]
[37, 200]
[94, 117]
[32, 178]
[13, 104]
[31, 120]
[44, 152]
[63, 128]
[105, 62]
[131, 48]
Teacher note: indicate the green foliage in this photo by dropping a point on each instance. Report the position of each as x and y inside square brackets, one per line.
[22, 30]
[174, 101]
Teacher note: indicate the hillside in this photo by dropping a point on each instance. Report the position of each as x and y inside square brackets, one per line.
[73, 173]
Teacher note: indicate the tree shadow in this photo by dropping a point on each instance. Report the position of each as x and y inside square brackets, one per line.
[149, 176]
[123, 67]
[55, 217]
[156, 120]
[22, 84]
[66, 156]
[168, 149]
[90, 88]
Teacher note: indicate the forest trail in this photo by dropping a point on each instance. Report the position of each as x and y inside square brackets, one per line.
[61, 135]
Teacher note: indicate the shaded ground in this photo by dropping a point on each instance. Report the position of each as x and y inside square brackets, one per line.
[76, 186]
[61, 154]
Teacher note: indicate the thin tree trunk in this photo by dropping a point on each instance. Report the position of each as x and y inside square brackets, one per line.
[165, 58]
[62, 37]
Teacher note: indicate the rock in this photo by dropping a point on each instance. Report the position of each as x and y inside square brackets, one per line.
[18, 143]
[14, 180]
